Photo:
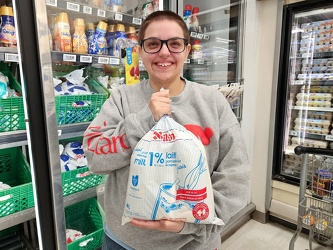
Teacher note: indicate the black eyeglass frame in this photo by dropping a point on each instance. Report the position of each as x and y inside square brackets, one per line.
[164, 42]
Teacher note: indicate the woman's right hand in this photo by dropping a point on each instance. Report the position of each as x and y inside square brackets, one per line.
[159, 104]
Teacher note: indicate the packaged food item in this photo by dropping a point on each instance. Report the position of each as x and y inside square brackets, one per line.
[7, 27]
[187, 14]
[322, 182]
[194, 20]
[181, 188]
[132, 58]
[90, 31]
[196, 52]
[120, 39]
[62, 39]
[110, 38]
[98, 44]
[80, 41]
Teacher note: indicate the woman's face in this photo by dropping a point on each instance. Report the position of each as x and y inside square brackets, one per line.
[164, 67]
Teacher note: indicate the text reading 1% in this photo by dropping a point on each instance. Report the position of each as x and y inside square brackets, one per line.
[158, 156]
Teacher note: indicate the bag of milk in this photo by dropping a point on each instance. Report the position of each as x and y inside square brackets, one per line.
[169, 177]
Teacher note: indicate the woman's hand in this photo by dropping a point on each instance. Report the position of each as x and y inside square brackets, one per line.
[160, 225]
[159, 104]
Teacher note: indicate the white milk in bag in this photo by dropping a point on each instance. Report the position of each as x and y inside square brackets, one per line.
[169, 177]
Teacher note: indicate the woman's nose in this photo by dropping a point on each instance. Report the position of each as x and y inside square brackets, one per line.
[164, 48]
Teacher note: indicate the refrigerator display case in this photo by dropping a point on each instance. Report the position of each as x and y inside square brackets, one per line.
[60, 203]
[216, 31]
[305, 86]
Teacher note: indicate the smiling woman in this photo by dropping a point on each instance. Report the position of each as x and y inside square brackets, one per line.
[132, 111]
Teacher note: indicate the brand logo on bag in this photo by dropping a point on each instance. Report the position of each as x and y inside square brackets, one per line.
[135, 180]
[165, 137]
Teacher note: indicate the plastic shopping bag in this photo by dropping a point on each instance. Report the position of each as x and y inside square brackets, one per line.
[169, 177]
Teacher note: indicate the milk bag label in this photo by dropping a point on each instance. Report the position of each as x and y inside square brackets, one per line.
[169, 177]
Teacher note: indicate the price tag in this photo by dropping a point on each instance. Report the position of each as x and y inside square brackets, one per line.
[59, 132]
[201, 61]
[11, 57]
[137, 21]
[114, 61]
[206, 37]
[141, 63]
[52, 3]
[101, 13]
[200, 35]
[73, 6]
[118, 17]
[299, 82]
[293, 133]
[329, 137]
[87, 10]
[193, 34]
[69, 58]
[86, 59]
[187, 60]
[103, 60]
[306, 55]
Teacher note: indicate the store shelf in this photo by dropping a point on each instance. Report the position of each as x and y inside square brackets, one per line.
[84, 58]
[312, 108]
[311, 136]
[13, 139]
[28, 214]
[9, 54]
[93, 11]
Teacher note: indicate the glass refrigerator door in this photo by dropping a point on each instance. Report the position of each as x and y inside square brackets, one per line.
[216, 40]
[309, 87]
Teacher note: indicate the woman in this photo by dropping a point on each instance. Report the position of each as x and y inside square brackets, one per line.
[131, 111]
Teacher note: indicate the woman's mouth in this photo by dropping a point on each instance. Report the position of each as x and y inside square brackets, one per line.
[163, 64]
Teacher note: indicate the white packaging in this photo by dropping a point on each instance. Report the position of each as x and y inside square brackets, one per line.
[169, 177]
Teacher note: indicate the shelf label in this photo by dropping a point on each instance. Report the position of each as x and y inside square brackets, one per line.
[201, 61]
[73, 6]
[118, 17]
[293, 133]
[193, 34]
[187, 60]
[114, 61]
[11, 57]
[103, 60]
[69, 58]
[200, 35]
[299, 82]
[52, 3]
[329, 137]
[86, 59]
[137, 21]
[87, 10]
[305, 55]
[59, 132]
[101, 13]
[141, 63]
[206, 37]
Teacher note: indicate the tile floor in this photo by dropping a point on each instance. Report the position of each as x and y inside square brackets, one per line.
[271, 236]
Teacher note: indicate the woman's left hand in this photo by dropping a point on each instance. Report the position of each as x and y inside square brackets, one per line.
[160, 225]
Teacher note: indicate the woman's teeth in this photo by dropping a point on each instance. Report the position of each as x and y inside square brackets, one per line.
[164, 64]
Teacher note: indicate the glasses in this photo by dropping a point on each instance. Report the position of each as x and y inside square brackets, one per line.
[154, 45]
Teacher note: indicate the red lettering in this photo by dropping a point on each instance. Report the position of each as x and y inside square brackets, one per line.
[105, 145]
[165, 137]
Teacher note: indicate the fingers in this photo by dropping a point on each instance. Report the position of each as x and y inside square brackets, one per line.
[159, 104]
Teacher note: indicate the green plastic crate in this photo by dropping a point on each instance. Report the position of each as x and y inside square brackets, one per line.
[79, 179]
[87, 217]
[14, 171]
[72, 183]
[69, 113]
[11, 109]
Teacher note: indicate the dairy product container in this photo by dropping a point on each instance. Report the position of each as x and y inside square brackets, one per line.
[62, 39]
[80, 41]
[110, 38]
[120, 39]
[7, 27]
[98, 44]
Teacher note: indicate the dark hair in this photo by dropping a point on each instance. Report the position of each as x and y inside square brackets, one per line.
[163, 15]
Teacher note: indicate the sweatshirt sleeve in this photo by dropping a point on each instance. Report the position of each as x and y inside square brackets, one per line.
[111, 137]
[230, 177]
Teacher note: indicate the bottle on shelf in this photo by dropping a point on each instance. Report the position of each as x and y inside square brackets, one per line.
[90, 31]
[7, 27]
[194, 20]
[196, 52]
[80, 41]
[62, 39]
[110, 38]
[187, 14]
[132, 70]
[98, 44]
[120, 40]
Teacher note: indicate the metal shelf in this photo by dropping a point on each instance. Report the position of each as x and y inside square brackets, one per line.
[28, 214]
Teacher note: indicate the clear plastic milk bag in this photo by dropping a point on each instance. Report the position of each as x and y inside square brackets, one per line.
[169, 177]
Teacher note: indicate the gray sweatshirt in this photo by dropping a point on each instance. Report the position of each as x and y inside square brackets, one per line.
[125, 118]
